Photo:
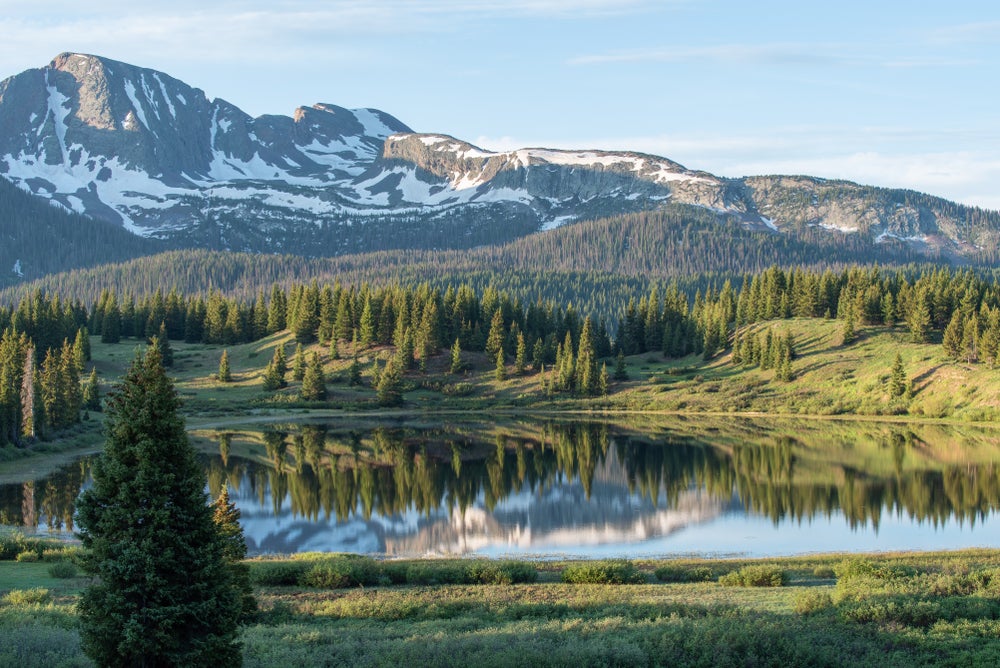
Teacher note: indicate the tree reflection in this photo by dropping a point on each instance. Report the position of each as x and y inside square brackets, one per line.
[325, 471]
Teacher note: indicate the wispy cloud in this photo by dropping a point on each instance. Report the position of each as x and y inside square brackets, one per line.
[980, 31]
[775, 54]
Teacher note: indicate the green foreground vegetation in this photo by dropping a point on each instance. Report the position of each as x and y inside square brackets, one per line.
[940, 609]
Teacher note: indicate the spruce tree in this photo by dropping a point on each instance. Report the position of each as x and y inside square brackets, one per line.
[621, 372]
[163, 594]
[897, 378]
[313, 380]
[456, 358]
[500, 370]
[354, 372]
[389, 388]
[299, 363]
[92, 392]
[226, 516]
[521, 356]
[225, 375]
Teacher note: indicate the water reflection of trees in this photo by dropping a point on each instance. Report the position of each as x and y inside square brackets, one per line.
[387, 472]
[48, 502]
[321, 472]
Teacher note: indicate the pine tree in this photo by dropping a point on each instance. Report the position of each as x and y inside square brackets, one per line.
[500, 371]
[354, 371]
[621, 372]
[226, 516]
[313, 380]
[521, 356]
[456, 358]
[952, 339]
[274, 374]
[224, 376]
[163, 344]
[163, 593]
[602, 380]
[389, 388]
[847, 333]
[495, 338]
[299, 363]
[92, 392]
[81, 349]
[897, 378]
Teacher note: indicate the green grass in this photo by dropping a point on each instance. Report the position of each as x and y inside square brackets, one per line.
[933, 609]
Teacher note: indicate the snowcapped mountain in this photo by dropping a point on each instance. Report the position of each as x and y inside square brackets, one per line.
[143, 150]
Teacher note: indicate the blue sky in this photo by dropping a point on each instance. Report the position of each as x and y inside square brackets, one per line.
[886, 92]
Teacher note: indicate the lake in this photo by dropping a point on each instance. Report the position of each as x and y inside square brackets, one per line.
[555, 487]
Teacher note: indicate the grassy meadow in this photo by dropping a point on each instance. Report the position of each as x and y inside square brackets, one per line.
[937, 609]
[829, 379]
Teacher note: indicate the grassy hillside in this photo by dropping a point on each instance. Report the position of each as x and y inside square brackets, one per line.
[829, 379]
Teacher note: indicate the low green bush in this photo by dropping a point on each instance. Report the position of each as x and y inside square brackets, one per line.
[813, 601]
[894, 610]
[501, 572]
[277, 573]
[431, 574]
[824, 572]
[343, 572]
[63, 570]
[762, 575]
[27, 596]
[618, 571]
[681, 574]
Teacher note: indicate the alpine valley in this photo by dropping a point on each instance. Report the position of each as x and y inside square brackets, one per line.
[136, 162]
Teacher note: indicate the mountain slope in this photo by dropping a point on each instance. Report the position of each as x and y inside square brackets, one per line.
[146, 152]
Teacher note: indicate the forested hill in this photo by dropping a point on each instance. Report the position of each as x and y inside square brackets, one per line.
[43, 239]
[594, 263]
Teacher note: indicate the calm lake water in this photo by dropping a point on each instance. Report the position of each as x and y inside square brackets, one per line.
[587, 489]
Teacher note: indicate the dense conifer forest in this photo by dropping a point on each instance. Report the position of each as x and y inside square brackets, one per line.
[46, 338]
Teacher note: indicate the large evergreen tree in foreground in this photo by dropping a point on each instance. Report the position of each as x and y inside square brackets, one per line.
[164, 593]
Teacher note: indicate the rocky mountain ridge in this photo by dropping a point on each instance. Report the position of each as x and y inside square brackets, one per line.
[141, 149]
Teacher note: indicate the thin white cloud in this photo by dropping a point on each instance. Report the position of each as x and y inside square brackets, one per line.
[966, 33]
[784, 54]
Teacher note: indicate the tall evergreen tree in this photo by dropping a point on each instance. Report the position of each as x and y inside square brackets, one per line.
[92, 392]
[225, 375]
[163, 593]
[313, 381]
[897, 378]
[299, 363]
[457, 365]
[226, 516]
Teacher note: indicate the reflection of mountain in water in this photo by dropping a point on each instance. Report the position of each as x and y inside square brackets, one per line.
[541, 520]
[557, 486]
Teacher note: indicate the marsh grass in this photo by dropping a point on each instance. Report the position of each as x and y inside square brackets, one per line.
[938, 609]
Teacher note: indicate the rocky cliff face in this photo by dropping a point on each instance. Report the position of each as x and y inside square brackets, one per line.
[141, 149]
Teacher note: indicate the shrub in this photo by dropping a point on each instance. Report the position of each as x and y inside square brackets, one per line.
[27, 596]
[755, 576]
[618, 571]
[63, 570]
[27, 557]
[501, 572]
[342, 572]
[811, 602]
[10, 545]
[458, 389]
[824, 572]
[679, 574]
[906, 612]
[277, 573]
[431, 574]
